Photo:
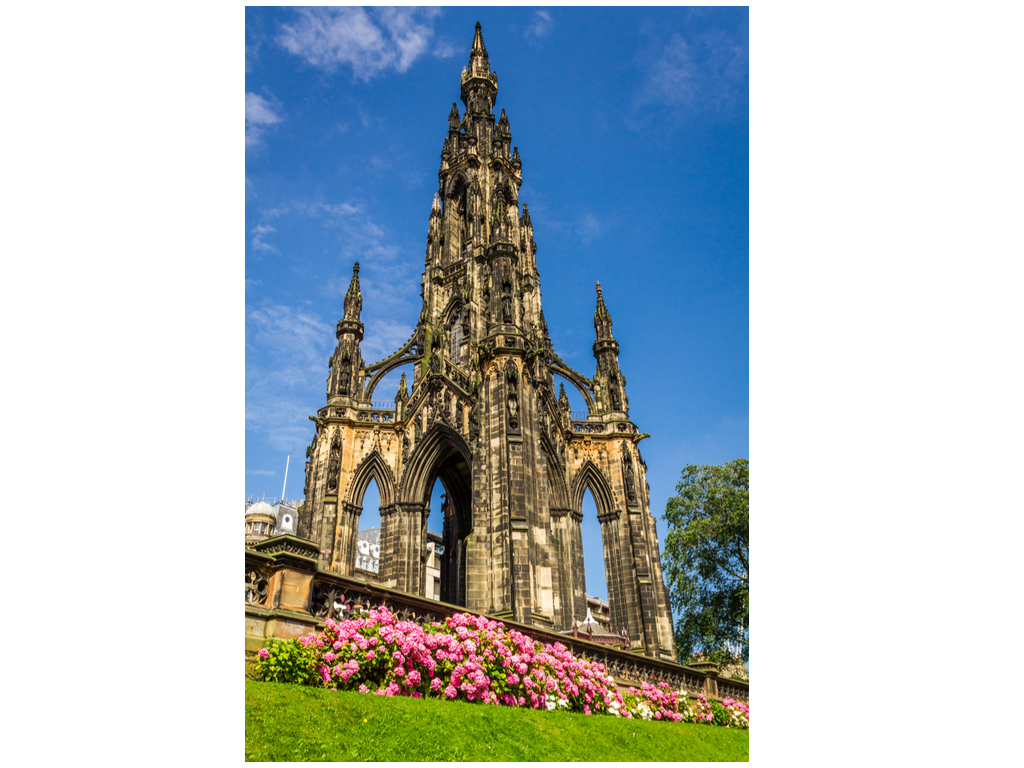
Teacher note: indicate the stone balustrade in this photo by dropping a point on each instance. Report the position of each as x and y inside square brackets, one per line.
[286, 596]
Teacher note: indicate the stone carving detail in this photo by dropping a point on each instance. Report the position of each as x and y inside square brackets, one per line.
[256, 583]
[334, 464]
[627, 476]
[512, 396]
[474, 427]
[327, 601]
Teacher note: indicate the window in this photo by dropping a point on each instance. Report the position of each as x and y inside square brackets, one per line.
[456, 334]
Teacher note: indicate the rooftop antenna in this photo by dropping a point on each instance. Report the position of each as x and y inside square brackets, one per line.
[285, 477]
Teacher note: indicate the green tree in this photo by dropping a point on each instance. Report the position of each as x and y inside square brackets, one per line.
[706, 560]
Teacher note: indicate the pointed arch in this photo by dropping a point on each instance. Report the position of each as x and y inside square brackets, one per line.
[436, 445]
[456, 184]
[373, 466]
[590, 476]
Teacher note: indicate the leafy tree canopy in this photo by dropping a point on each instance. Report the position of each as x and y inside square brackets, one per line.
[706, 560]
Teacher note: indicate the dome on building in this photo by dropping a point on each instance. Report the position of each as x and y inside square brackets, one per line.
[259, 522]
[260, 508]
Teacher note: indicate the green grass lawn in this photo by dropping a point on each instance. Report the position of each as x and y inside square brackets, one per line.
[292, 722]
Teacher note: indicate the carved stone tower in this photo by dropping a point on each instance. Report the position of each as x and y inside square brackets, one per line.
[482, 415]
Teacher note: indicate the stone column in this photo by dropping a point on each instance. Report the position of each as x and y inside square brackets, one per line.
[647, 603]
[403, 525]
[573, 597]
[346, 542]
[618, 567]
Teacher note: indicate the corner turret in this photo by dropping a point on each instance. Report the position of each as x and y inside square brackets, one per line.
[609, 383]
[345, 376]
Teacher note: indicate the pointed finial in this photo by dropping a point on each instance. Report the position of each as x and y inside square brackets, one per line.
[436, 205]
[602, 317]
[353, 297]
[478, 49]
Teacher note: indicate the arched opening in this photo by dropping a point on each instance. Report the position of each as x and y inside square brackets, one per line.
[368, 538]
[435, 541]
[596, 584]
[441, 455]
[607, 561]
[448, 526]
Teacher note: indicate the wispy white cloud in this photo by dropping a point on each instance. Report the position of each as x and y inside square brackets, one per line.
[588, 227]
[260, 472]
[706, 73]
[389, 280]
[258, 113]
[540, 26]
[259, 244]
[444, 48]
[286, 359]
[369, 43]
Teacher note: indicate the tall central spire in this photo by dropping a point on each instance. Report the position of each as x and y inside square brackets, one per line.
[479, 84]
[478, 60]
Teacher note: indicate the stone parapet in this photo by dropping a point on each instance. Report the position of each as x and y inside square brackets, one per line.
[289, 617]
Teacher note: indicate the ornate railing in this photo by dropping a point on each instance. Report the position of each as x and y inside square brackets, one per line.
[257, 581]
[377, 416]
[588, 428]
[332, 596]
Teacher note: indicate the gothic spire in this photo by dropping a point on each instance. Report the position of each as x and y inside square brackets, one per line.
[602, 317]
[478, 48]
[353, 299]
[479, 63]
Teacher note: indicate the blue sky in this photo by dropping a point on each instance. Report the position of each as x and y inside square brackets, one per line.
[632, 125]
[885, 275]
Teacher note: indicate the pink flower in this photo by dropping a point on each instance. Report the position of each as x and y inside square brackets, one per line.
[264, 653]
[370, 655]
[450, 692]
[363, 688]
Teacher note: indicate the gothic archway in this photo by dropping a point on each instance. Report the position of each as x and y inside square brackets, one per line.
[442, 454]
[623, 600]
[372, 467]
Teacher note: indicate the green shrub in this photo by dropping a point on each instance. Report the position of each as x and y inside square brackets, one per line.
[287, 661]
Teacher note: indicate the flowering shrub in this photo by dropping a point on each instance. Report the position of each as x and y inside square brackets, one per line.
[466, 657]
[730, 713]
[739, 713]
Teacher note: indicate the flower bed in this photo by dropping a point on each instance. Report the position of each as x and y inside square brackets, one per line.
[475, 659]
